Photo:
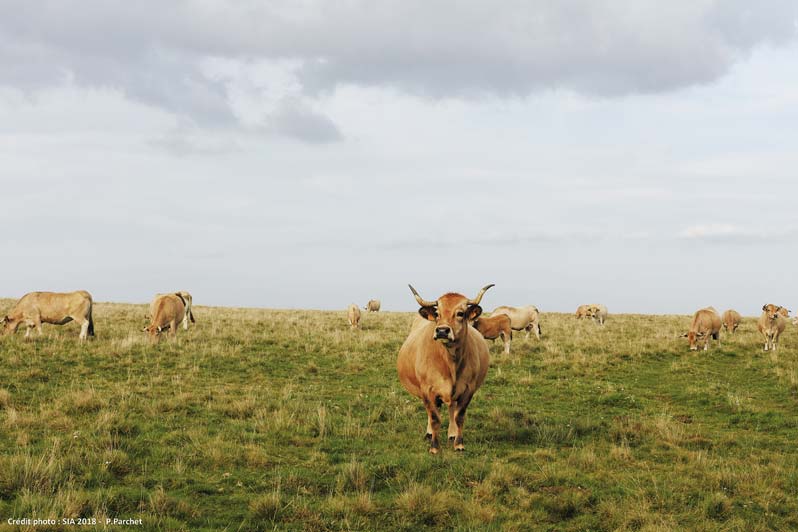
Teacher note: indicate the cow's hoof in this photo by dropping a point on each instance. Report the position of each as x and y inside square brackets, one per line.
[452, 438]
[428, 436]
[459, 447]
[433, 450]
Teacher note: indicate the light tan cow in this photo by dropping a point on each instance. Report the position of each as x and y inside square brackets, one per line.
[56, 308]
[731, 320]
[771, 324]
[598, 313]
[187, 301]
[497, 326]
[373, 305]
[445, 360]
[166, 312]
[353, 313]
[706, 324]
[784, 312]
[522, 318]
[582, 311]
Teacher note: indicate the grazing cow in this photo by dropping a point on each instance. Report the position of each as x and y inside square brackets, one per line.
[521, 318]
[166, 311]
[706, 324]
[582, 311]
[784, 312]
[445, 360]
[36, 308]
[497, 326]
[771, 324]
[731, 320]
[373, 305]
[354, 316]
[187, 300]
[598, 313]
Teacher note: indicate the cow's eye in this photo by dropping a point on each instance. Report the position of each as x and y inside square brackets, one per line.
[460, 314]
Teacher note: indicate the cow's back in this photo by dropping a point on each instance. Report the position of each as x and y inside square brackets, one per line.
[520, 317]
[706, 320]
[54, 306]
[166, 308]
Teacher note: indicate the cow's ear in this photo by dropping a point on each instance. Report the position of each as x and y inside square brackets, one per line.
[701, 334]
[473, 312]
[3, 320]
[764, 307]
[428, 313]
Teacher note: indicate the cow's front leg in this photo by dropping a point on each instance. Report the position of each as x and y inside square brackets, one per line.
[459, 409]
[452, 430]
[433, 423]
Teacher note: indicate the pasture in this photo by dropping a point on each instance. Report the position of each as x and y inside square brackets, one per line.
[289, 420]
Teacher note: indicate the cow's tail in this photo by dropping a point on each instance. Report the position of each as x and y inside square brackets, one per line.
[91, 323]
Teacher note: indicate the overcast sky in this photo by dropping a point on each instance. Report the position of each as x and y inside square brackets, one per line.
[309, 154]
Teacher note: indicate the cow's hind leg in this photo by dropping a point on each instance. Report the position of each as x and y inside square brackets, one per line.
[84, 329]
[506, 342]
[431, 403]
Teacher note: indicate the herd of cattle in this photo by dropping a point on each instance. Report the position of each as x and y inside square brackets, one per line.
[35, 308]
[444, 358]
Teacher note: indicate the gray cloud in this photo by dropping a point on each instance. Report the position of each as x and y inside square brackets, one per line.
[152, 51]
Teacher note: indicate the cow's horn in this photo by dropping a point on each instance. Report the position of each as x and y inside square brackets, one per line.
[422, 302]
[481, 293]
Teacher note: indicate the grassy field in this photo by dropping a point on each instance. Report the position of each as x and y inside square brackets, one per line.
[287, 420]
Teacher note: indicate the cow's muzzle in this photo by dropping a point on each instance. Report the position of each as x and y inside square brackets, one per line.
[443, 333]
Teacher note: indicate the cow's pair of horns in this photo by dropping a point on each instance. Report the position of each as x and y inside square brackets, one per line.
[425, 303]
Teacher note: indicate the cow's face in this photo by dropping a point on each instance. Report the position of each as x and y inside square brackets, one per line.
[695, 339]
[452, 313]
[9, 325]
[772, 311]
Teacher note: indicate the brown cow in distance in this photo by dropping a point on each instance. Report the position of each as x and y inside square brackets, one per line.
[373, 305]
[57, 308]
[706, 324]
[445, 360]
[353, 314]
[522, 318]
[187, 300]
[582, 311]
[771, 324]
[497, 326]
[167, 310]
[731, 320]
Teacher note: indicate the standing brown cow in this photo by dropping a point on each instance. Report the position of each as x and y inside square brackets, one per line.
[497, 326]
[771, 324]
[57, 308]
[373, 305]
[166, 311]
[706, 324]
[582, 311]
[731, 320]
[353, 314]
[445, 360]
[522, 318]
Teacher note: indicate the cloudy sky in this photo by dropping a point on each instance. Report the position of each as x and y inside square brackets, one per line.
[310, 154]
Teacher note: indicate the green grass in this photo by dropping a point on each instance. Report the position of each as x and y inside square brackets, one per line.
[284, 420]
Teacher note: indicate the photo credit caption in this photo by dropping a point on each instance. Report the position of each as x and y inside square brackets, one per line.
[75, 521]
